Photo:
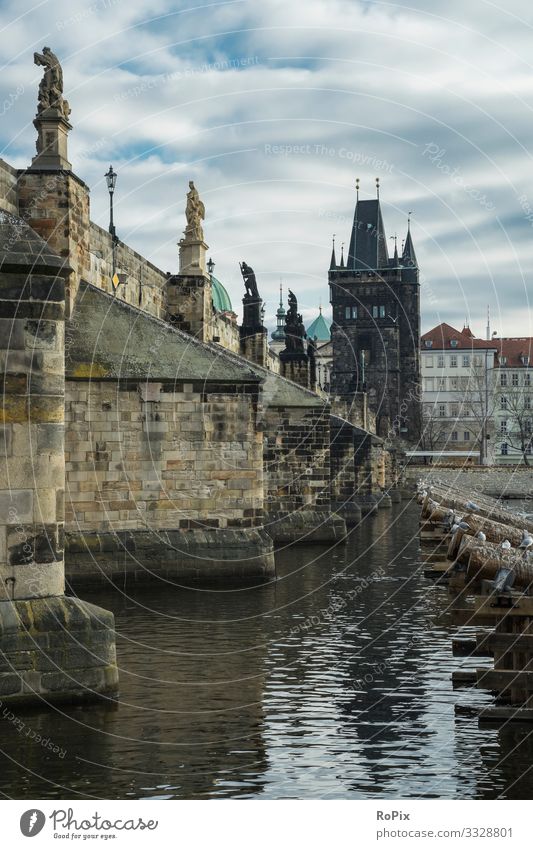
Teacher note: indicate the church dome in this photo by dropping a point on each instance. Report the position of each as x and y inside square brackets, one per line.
[320, 328]
[221, 299]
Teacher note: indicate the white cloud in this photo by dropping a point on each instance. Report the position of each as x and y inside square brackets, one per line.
[168, 93]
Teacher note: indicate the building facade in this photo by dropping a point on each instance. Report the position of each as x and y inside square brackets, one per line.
[477, 397]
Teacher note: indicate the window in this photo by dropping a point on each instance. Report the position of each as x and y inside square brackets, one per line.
[527, 403]
[382, 311]
[428, 343]
[429, 362]
[503, 379]
[430, 384]
[442, 411]
[454, 382]
[454, 436]
[347, 312]
[514, 378]
[440, 361]
[466, 361]
[503, 402]
[504, 449]
[354, 312]
[453, 361]
[441, 384]
[453, 343]
[466, 436]
[503, 426]
[503, 361]
[454, 410]
[525, 360]
[527, 379]
[527, 425]
[374, 311]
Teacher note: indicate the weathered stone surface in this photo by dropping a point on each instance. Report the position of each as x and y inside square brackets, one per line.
[60, 647]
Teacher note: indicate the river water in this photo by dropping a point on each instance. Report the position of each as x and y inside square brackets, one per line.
[332, 682]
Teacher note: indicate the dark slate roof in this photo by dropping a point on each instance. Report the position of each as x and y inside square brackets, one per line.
[111, 339]
[368, 242]
[22, 248]
[409, 255]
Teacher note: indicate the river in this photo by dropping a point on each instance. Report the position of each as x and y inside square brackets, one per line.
[332, 682]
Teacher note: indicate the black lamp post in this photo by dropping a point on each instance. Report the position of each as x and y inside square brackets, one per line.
[111, 180]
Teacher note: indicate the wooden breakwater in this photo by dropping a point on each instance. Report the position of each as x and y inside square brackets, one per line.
[483, 553]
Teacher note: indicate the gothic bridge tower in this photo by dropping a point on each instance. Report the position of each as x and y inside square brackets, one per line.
[376, 324]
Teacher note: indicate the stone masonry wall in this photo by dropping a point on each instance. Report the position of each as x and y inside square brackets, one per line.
[144, 283]
[8, 188]
[159, 456]
[296, 458]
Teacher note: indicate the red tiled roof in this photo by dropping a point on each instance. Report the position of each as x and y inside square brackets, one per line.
[514, 348]
[442, 335]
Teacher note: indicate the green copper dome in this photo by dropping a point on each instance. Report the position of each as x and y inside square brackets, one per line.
[321, 328]
[221, 299]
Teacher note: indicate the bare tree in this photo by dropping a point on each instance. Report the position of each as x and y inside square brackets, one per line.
[518, 414]
[431, 427]
[477, 400]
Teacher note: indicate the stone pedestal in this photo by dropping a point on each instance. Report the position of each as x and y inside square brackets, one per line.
[192, 257]
[295, 366]
[52, 128]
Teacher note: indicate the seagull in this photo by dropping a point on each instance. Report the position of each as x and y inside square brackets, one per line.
[505, 545]
[504, 579]
[471, 506]
[464, 526]
[481, 536]
[527, 542]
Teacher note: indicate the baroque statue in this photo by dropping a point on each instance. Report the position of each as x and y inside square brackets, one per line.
[294, 327]
[51, 85]
[249, 280]
[195, 214]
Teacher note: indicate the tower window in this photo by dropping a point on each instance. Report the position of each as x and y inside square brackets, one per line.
[453, 343]
[382, 312]
[354, 312]
[347, 312]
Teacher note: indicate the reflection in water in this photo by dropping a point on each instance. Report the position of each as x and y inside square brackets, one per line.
[332, 682]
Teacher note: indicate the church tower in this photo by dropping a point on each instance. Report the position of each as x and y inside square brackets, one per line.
[376, 325]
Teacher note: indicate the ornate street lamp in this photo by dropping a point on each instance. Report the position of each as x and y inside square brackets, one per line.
[210, 266]
[111, 180]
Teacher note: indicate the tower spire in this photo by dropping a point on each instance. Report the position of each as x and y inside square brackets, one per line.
[377, 187]
[408, 253]
[342, 255]
[333, 262]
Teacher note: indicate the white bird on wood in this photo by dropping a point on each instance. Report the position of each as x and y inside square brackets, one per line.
[505, 545]
[481, 536]
[471, 506]
[527, 542]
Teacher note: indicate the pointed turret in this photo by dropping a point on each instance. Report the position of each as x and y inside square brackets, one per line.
[409, 255]
[333, 263]
[342, 256]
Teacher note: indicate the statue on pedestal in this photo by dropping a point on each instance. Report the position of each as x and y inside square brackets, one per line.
[195, 214]
[51, 85]
[250, 282]
[294, 327]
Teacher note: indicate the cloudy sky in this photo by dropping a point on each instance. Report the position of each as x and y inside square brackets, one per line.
[274, 108]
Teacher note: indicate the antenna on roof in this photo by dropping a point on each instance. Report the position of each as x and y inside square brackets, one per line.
[357, 187]
[377, 187]
[488, 323]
